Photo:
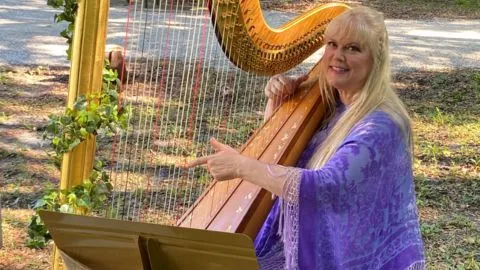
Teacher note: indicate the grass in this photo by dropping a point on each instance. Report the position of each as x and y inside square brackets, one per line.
[445, 108]
[27, 96]
[475, 4]
[13, 254]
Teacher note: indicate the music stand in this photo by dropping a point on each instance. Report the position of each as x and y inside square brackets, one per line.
[99, 243]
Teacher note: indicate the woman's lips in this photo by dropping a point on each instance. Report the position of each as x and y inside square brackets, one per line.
[339, 69]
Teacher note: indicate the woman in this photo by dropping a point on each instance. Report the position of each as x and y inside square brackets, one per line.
[350, 202]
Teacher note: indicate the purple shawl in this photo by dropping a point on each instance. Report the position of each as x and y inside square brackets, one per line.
[356, 212]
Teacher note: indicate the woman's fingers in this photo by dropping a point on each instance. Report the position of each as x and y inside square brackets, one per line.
[300, 80]
[198, 161]
[284, 80]
[277, 89]
[220, 146]
[220, 168]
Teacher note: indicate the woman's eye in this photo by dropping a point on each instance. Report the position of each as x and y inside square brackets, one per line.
[331, 44]
[353, 48]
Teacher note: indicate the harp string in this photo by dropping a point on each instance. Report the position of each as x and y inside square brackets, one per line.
[166, 80]
[122, 146]
[204, 86]
[181, 95]
[131, 90]
[148, 158]
[157, 110]
[199, 76]
[196, 140]
[142, 122]
[164, 65]
[182, 116]
[178, 113]
[222, 121]
[115, 148]
[143, 134]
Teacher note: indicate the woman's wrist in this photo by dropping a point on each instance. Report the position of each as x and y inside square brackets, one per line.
[245, 164]
[260, 174]
[250, 170]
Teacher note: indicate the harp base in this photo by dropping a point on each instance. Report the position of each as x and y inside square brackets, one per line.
[98, 243]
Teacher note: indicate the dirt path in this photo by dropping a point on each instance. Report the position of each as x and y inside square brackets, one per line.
[29, 35]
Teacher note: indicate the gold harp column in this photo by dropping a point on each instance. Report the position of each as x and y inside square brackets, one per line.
[85, 78]
[88, 50]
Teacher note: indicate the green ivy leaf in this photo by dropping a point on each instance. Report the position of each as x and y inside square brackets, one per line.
[56, 141]
[98, 165]
[72, 198]
[65, 208]
[73, 144]
[84, 203]
[39, 204]
[64, 33]
[55, 3]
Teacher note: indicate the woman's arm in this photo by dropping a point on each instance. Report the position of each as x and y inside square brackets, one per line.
[227, 163]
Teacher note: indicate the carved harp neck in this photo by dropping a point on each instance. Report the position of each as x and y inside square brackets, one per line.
[252, 45]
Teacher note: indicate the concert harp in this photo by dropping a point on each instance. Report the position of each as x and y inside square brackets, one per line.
[179, 102]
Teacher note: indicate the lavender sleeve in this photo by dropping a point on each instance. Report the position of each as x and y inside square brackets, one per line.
[358, 211]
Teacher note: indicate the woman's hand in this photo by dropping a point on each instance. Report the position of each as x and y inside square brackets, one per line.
[225, 164]
[280, 86]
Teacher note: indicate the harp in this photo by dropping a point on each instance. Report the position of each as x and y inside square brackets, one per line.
[164, 88]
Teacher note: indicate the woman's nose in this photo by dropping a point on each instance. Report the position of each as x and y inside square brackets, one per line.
[338, 54]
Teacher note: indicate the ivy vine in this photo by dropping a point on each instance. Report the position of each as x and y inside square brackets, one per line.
[82, 199]
[91, 115]
[69, 11]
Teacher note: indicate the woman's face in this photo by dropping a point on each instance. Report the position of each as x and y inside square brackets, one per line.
[348, 63]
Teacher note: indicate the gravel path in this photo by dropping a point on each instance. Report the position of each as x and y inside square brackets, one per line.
[29, 36]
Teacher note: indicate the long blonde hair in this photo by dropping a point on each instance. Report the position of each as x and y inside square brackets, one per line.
[366, 25]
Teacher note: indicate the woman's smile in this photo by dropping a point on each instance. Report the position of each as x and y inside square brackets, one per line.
[339, 70]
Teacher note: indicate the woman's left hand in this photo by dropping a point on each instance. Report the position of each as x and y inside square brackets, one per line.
[225, 164]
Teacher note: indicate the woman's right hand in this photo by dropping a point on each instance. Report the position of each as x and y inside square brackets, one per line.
[280, 86]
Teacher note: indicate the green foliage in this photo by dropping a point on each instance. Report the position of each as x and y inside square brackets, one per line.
[3, 78]
[476, 85]
[430, 230]
[81, 199]
[97, 113]
[468, 3]
[69, 8]
[90, 115]
[441, 118]
[38, 233]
